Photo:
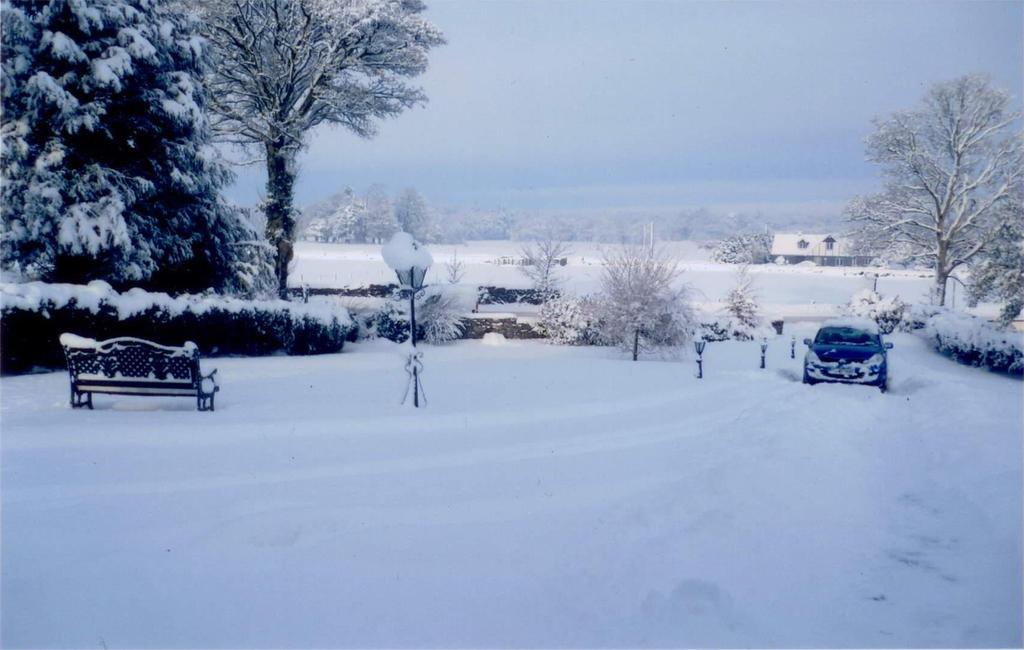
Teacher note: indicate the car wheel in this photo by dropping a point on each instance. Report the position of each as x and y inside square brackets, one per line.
[883, 385]
[808, 380]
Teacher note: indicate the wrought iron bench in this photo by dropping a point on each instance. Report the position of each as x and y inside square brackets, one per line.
[130, 366]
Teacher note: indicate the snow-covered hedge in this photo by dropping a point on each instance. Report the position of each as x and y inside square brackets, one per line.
[34, 314]
[974, 341]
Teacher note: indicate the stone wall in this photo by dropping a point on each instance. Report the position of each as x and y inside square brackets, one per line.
[510, 326]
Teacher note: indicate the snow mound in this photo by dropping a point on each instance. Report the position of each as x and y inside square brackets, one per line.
[494, 338]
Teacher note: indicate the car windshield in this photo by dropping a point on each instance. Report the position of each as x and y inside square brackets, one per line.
[845, 336]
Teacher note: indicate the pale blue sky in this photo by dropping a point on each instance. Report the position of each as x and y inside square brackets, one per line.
[611, 104]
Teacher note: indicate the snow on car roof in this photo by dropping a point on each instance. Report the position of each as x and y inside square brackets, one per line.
[851, 322]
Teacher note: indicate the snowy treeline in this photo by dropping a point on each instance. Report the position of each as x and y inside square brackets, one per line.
[371, 218]
[448, 224]
[107, 166]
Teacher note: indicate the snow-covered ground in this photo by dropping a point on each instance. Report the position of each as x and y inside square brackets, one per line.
[546, 497]
[789, 292]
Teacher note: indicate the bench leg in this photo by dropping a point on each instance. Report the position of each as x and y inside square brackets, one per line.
[81, 400]
[204, 401]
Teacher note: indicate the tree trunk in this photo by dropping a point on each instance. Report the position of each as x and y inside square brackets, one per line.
[636, 344]
[941, 275]
[280, 211]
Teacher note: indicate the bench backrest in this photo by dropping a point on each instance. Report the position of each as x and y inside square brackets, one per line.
[131, 358]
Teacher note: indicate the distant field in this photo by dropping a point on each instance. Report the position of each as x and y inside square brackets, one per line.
[785, 291]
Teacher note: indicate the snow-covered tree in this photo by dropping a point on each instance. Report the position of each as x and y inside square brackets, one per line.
[952, 165]
[998, 273]
[340, 219]
[412, 214]
[742, 307]
[378, 217]
[455, 269]
[107, 168]
[543, 259]
[743, 249]
[641, 305]
[285, 67]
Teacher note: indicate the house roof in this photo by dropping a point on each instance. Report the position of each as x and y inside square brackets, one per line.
[784, 243]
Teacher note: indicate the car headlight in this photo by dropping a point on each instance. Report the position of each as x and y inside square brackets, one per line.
[875, 362]
[812, 357]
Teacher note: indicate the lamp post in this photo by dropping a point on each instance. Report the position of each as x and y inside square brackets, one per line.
[410, 261]
[698, 346]
[764, 348]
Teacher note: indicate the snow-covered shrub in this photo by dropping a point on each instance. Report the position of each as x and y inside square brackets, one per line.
[975, 341]
[641, 307]
[569, 320]
[34, 314]
[886, 312]
[742, 309]
[743, 249]
[713, 331]
[440, 310]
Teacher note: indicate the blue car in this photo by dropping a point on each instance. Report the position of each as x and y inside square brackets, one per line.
[847, 351]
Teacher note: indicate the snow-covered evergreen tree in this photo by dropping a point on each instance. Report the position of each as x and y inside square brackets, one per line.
[742, 308]
[413, 215]
[107, 170]
[999, 273]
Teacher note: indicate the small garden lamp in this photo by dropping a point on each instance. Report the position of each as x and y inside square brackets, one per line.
[409, 260]
[764, 348]
[792, 347]
[698, 347]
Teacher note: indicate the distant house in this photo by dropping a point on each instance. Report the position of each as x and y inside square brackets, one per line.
[823, 250]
